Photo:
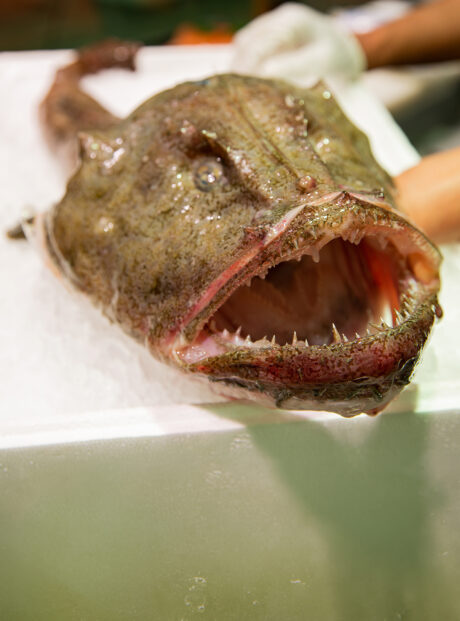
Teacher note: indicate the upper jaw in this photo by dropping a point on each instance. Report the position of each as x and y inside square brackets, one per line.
[305, 231]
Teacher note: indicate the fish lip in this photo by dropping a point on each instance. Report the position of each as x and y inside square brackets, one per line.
[414, 327]
[347, 378]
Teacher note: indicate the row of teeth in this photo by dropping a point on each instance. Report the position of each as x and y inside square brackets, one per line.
[337, 338]
[293, 257]
[407, 307]
[312, 251]
[264, 272]
[353, 237]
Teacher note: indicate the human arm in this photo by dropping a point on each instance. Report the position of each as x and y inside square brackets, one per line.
[430, 195]
[428, 33]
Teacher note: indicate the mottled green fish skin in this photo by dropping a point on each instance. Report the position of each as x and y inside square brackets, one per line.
[137, 235]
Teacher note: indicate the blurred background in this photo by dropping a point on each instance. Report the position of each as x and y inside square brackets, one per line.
[52, 24]
[424, 101]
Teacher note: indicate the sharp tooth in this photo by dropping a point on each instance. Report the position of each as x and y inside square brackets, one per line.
[296, 244]
[357, 336]
[408, 306]
[335, 334]
[368, 332]
[344, 338]
[248, 339]
[263, 274]
[273, 341]
[408, 299]
[225, 333]
[238, 332]
[315, 254]
[399, 317]
[307, 343]
[294, 338]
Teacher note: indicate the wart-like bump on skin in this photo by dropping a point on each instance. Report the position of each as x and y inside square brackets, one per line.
[306, 183]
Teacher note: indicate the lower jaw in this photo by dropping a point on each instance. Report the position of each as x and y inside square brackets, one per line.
[347, 399]
[348, 378]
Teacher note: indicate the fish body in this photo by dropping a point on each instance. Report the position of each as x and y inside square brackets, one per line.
[242, 230]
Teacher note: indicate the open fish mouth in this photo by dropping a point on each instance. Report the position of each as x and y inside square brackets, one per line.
[326, 316]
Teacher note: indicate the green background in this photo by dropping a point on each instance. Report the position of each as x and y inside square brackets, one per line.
[332, 520]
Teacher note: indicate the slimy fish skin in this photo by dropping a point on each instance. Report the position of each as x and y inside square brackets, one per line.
[242, 230]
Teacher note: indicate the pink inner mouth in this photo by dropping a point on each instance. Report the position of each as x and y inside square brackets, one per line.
[342, 292]
[349, 287]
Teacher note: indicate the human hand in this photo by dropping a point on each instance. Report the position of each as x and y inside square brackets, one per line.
[297, 43]
[429, 193]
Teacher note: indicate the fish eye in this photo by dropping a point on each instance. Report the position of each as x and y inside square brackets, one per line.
[208, 174]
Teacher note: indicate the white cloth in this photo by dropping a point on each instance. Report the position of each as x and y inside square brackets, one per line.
[297, 43]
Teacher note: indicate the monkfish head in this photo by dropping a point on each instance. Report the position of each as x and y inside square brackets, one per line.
[243, 231]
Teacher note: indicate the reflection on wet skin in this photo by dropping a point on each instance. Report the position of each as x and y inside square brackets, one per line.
[373, 501]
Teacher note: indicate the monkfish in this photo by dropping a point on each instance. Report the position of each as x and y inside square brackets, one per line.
[243, 231]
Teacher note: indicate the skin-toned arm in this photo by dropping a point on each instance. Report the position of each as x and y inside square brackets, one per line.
[428, 33]
[430, 191]
[430, 194]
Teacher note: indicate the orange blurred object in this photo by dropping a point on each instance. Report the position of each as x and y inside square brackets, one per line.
[187, 34]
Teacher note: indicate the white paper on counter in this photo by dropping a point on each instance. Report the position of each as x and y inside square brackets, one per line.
[60, 360]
